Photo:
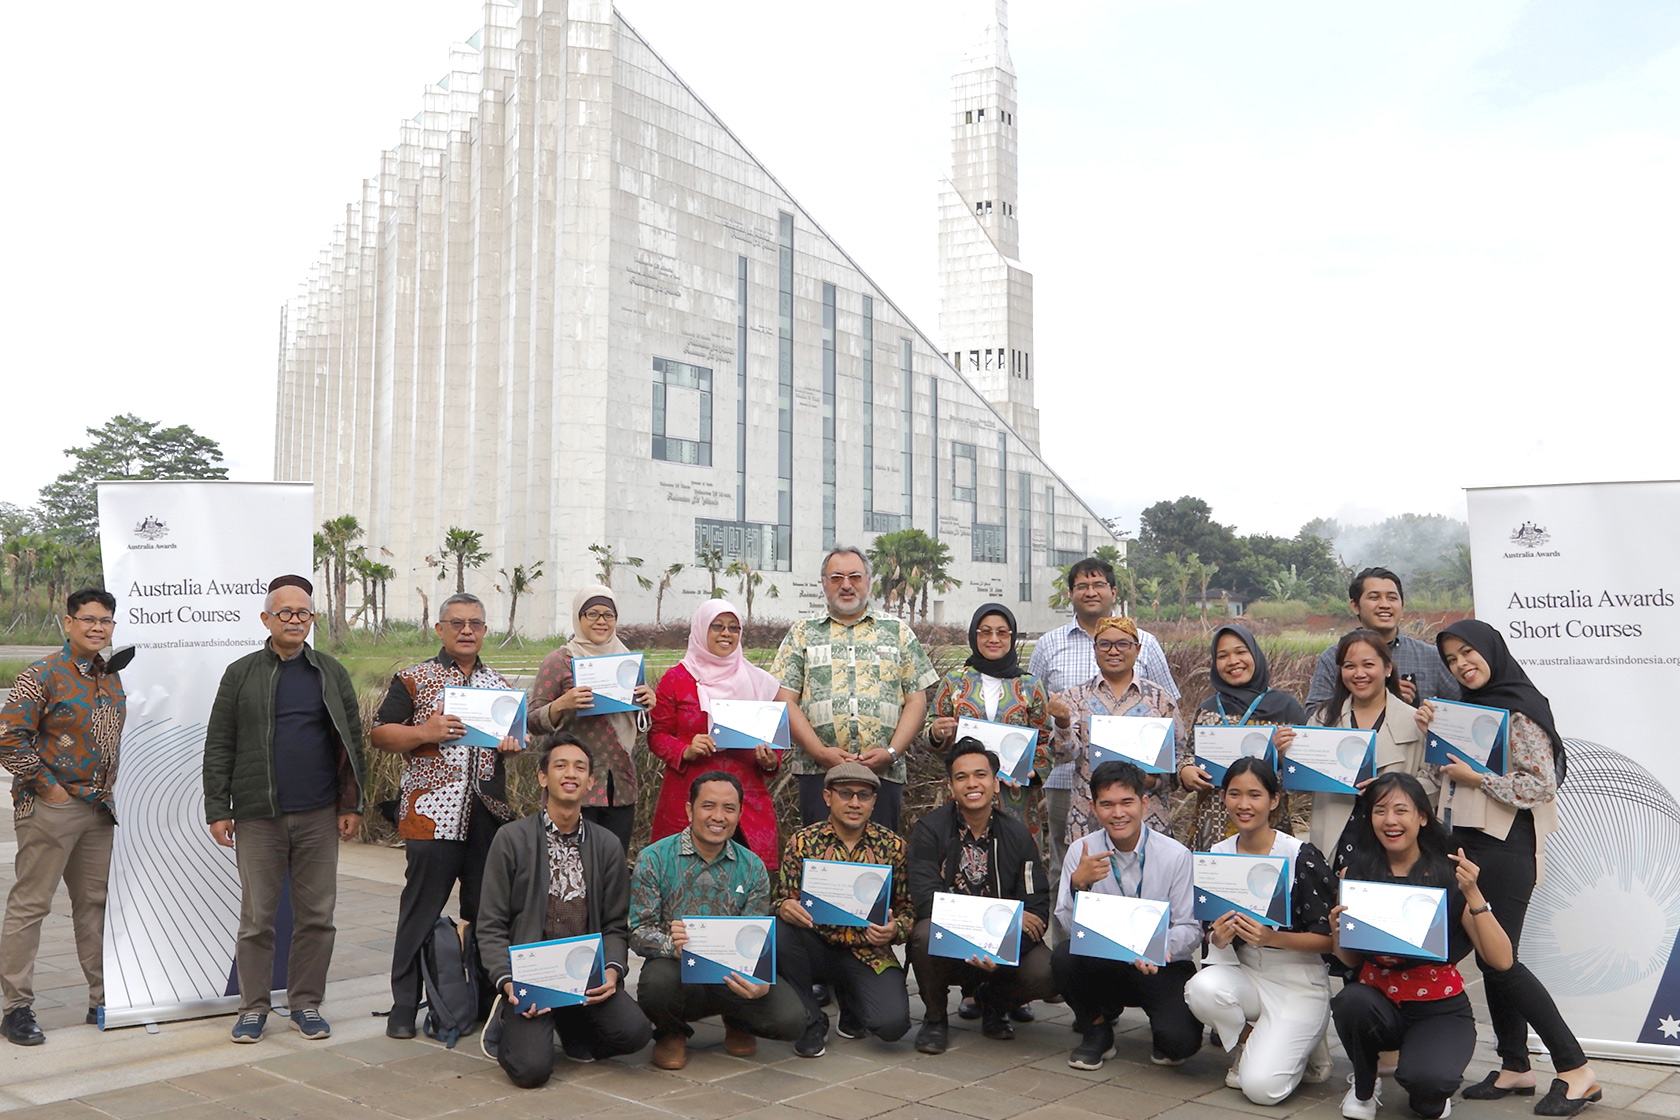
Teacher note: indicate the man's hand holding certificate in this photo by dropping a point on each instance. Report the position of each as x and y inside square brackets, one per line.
[846, 894]
[1329, 759]
[1257, 886]
[612, 681]
[966, 926]
[490, 714]
[1015, 747]
[1146, 741]
[1218, 747]
[1473, 733]
[717, 948]
[549, 974]
[1393, 920]
[1119, 928]
[744, 724]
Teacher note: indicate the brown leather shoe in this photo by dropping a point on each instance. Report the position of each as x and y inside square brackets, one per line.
[671, 1051]
[739, 1043]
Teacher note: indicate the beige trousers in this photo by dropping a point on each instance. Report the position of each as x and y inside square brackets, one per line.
[72, 843]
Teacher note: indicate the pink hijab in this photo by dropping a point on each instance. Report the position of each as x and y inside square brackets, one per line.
[723, 678]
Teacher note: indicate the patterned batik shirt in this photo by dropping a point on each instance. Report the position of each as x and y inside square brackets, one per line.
[877, 845]
[1066, 657]
[673, 880]
[852, 681]
[974, 862]
[61, 726]
[568, 894]
[1141, 698]
[439, 780]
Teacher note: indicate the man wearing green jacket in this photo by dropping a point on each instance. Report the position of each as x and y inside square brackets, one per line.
[283, 764]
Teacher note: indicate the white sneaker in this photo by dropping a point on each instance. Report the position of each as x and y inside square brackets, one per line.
[1233, 1078]
[1355, 1109]
[1319, 1063]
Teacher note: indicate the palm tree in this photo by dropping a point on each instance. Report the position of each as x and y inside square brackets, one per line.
[710, 557]
[933, 572]
[1204, 573]
[380, 576]
[1178, 578]
[333, 552]
[892, 556]
[750, 581]
[466, 546]
[1149, 590]
[664, 586]
[606, 559]
[519, 583]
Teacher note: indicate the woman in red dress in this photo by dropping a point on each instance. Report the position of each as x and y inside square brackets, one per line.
[713, 669]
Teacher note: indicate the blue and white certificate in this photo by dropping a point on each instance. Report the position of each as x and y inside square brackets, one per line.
[1329, 759]
[491, 714]
[1119, 927]
[966, 925]
[846, 894]
[741, 725]
[556, 973]
[1014, 746]
[613, 680]
[717, 947]
[1476, 734]
[1394, 919]
[1145, 741]
[1218, 747]
[1254, 885]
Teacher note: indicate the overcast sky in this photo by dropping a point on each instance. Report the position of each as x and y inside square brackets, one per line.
[1316, 258]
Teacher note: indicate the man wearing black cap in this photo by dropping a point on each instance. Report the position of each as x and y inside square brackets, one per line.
[283, 765]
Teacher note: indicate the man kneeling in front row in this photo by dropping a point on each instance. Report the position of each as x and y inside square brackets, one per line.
[549, 876]
[702, 871]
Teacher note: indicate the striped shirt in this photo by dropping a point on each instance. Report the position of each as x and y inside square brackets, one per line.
[1066, 656]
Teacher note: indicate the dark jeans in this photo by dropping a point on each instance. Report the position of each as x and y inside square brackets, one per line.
[888, 801]
[1097, 988]
[1516, 998]
[671, 1005]
[879, 1000]
[1435, 1039]
[607, 1029]
[306, 846]
[434, 867]
[1005, 988]
[620, 820]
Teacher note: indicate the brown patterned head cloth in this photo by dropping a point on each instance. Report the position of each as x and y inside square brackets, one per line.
[1116, 622]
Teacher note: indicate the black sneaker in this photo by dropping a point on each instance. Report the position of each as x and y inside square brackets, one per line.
[850, 1026]
[1022, 1013]
[934, 1036]
[820, 993]
[814, 1042]
[92, 1019]
[1097, 1045]
[20, 1027]
[400, 1024]
[994, 1023]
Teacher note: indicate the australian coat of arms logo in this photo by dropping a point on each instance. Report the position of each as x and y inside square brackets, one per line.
[151, 528]
[1530, 535]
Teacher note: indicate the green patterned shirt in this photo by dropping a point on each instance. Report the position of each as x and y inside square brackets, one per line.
[852, 681]
[672, 880]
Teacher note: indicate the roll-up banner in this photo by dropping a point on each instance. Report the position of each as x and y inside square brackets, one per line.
[1583, 581]
[189, 564]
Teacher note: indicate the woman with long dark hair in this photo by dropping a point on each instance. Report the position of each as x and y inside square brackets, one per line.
[1501, 821]
[1414, 1005]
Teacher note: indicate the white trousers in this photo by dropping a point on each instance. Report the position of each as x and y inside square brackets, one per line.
[1285, 995]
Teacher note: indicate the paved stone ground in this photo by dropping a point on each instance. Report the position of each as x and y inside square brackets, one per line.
[190, 1071]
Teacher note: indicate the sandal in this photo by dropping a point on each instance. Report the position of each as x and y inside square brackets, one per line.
[1487, 1089]
[1558, 1102]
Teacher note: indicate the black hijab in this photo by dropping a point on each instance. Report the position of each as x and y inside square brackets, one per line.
[1005, 666]
[1276, 706]
[1507, 686]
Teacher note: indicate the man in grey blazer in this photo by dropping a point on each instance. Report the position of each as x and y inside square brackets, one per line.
[548, 876]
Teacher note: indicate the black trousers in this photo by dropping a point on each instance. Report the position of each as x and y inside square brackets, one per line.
[620, 820]
[1098, 988]
[607, 1029]
[671, 1005]
[434, 867]
[1435, 1039]
[879, 1000]
[889, 799]
[1516, 998]
[1005, 988]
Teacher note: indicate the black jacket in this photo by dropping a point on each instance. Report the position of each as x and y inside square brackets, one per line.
[1017, 867]
[513, 902]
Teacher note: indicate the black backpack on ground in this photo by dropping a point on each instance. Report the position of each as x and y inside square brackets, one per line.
[454, 979]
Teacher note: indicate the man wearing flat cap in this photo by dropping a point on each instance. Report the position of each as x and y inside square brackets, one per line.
[283, 781]
[857, 961]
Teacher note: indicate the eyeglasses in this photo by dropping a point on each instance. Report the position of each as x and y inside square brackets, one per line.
[724, 628]
[836, 578]
[294, 614]
[476, 625]
[1094, 586]
[853, 794]
[90, 620]
[989, 633]
[1124, 645]
[599, 615]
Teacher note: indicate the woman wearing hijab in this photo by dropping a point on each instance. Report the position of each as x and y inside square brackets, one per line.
[1500, 821]
[1242, 697]
[992, 686]
[558, 705]
[714, 668]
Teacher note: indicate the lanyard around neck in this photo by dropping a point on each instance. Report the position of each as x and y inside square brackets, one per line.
[1220, 700]
[1143, 860]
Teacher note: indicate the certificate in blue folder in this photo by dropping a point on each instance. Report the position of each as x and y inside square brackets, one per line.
[966, 925]
[1476, 734]
[1118, 927]
[1144, 741]
[612, 679]
[846, 894]
[1254, 885]
[717, 947]
[1394, 919]
[557, 973]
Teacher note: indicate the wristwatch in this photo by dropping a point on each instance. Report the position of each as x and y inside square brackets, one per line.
[1484, 908]
[891, 753]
